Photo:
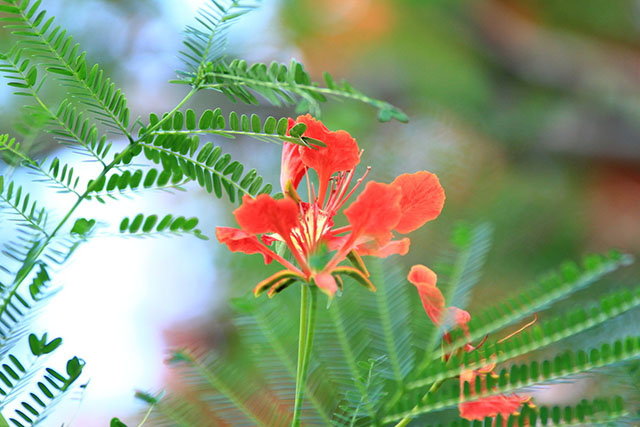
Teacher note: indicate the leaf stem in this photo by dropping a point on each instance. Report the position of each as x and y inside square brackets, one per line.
[305, 341]
[38, 252]
[406, 420]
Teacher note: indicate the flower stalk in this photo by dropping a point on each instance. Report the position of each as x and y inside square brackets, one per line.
[308, 303]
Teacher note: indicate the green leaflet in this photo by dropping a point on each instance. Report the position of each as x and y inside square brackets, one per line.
[150, 225]
[521, 376]
[285, 85]
[63, 59]
[551, 288]
[599, 411]
[182, 158]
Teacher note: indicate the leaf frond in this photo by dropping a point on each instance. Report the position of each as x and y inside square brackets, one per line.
[287, 85]
[62, 59]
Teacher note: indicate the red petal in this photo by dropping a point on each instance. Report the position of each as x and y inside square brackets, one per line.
[458, 317]
[291, 169]
[422, 199]
[240, 241]
[421, 275]
[491, 406]
[394, 247]
[432, 299]
[340, 154]
[375, 212]
[264, 214]
[326, 283]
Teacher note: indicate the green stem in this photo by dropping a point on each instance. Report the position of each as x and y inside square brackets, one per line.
[36, 255]
[406, 420]
[305, 341]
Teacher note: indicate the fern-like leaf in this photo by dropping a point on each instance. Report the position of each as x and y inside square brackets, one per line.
[39, 36]
[551, 288]
[127, 182]
[205, 41]
[151, 226]
[181, 157]
[282, 85]
[50, 391]
[26, 211]
[517, 377]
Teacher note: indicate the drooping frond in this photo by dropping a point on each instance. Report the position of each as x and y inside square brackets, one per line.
[50, 391]
[358, 327]
[75, 128]
[517, 377]
[234, 400]
[286, 85]
[62, 177]
[603, 411]
[388, 313]
[150, 226]
[25, 211]
[70, 126]
[551, 288]
[18, 306]
[358, 408]
[38, 35]
[536, 337]
[205, 41]
[12, 147]
[16, 374]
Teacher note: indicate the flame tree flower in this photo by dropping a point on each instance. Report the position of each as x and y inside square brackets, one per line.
[308, 230]
[433, 302]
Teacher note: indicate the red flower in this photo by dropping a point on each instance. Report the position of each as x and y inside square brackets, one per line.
[434, 305]
[307, 228]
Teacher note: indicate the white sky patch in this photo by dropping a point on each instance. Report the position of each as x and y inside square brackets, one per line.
[119, 295]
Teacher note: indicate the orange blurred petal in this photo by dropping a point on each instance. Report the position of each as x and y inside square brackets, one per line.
[491, 406]
[291, 168]
[422, 199]
[421, 275]
[375, 212]
[432, 299]
[394, 247]
[264, 214]
[240, 241]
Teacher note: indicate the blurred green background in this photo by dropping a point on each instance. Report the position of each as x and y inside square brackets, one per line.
[528, 111]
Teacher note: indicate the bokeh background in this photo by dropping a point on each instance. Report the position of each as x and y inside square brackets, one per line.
[529, 112]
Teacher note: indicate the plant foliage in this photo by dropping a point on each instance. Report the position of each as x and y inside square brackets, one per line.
[373, 365]
[377, 362]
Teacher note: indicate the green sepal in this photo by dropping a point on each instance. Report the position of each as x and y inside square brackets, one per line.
[275, 278]
[280, 286]
[355, 274]
[357, 262]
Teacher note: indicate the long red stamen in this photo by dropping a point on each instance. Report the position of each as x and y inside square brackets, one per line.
[342, 229]
[358, 182]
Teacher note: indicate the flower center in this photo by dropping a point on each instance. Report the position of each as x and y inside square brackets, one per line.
[314, 223]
